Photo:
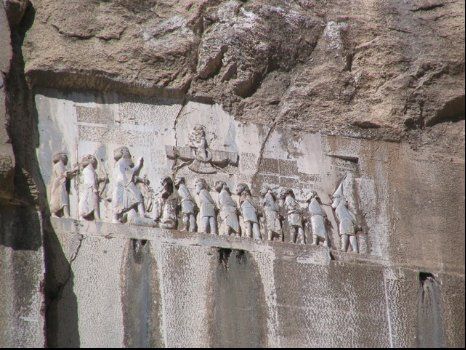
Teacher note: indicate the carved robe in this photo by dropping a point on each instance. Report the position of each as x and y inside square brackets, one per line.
[271, 210]
[293, 212]
[166, 211]
[59, 196]
[126, 194]
[228, 212]
[187, 201]
[88, 192]
[346, 219]
[206, 204]
[317, 219]
[248, 210]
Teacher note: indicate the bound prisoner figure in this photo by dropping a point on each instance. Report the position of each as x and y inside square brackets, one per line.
[318, 219]
[294, 217]
[89, 195]
[272, 223]
[167, 205]
[127, 200]
[248, 211]
[187, 205]
[347, 224]
[208, 221]
[228, 210]
[59, 185]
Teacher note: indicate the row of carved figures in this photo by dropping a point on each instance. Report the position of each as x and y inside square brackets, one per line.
[132, 199]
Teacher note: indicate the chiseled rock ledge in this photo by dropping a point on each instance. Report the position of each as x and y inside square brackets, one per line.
[303, 253]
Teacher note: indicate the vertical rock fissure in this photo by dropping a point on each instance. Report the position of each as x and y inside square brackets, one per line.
[430, 328]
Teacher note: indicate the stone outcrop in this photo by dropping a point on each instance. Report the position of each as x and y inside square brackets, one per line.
[372, 68]
[379, 83]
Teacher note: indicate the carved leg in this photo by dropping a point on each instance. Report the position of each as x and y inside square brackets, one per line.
[141, 210]
[213, 225]
[116, 219]
[326, 242]
[248, 229]
[185, 221]
[96, 208]
[292, 234]
[204, 224]
[315, 240]
[344, 243]
[302, 238]
[256, 231]
[354, 244]
[269, 235]
[66, 211]
[192, 223]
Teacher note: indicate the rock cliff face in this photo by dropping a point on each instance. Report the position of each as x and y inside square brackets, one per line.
[387, 72]
[383, 67]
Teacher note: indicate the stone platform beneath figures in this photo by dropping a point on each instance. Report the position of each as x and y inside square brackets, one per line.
[146, 287]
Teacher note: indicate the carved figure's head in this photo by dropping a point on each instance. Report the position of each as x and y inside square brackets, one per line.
[312, 194]
[288, 192]
[179, 180]
[121, 152]
[266, 189]
[60, 156]
[89, 159]
[200, 185]
[220, 185]
[197, 134]
[242, 188]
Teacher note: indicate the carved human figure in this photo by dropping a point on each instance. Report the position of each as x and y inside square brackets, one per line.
[317, 220]
[198, 141]
[208, 222]
[187, 205]
[347, 223]
[127, 200]
[167, 205]
[59, 195]
[294, 217]
[248, 211]
[228, 210]
[271, 210]
[89, 196]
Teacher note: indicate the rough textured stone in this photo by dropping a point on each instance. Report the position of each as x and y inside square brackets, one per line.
[7, 159]
[373, 68]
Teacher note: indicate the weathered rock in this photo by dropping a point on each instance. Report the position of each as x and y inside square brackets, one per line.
[317, 66]
[7, 159]
[15, 10]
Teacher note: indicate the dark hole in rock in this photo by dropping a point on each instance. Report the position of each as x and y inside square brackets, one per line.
[241, 256]
[423, 276]
[223, 256]
[430, 328]
[138, 246]
[452, 111]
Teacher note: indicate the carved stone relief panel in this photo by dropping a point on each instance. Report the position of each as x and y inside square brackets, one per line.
[193, 167]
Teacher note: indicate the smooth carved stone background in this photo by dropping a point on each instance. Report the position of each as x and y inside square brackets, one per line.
[209, 290]
[387, 176]
[97, 124]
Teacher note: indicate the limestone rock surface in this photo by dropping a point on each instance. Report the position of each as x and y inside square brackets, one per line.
[366, 68]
